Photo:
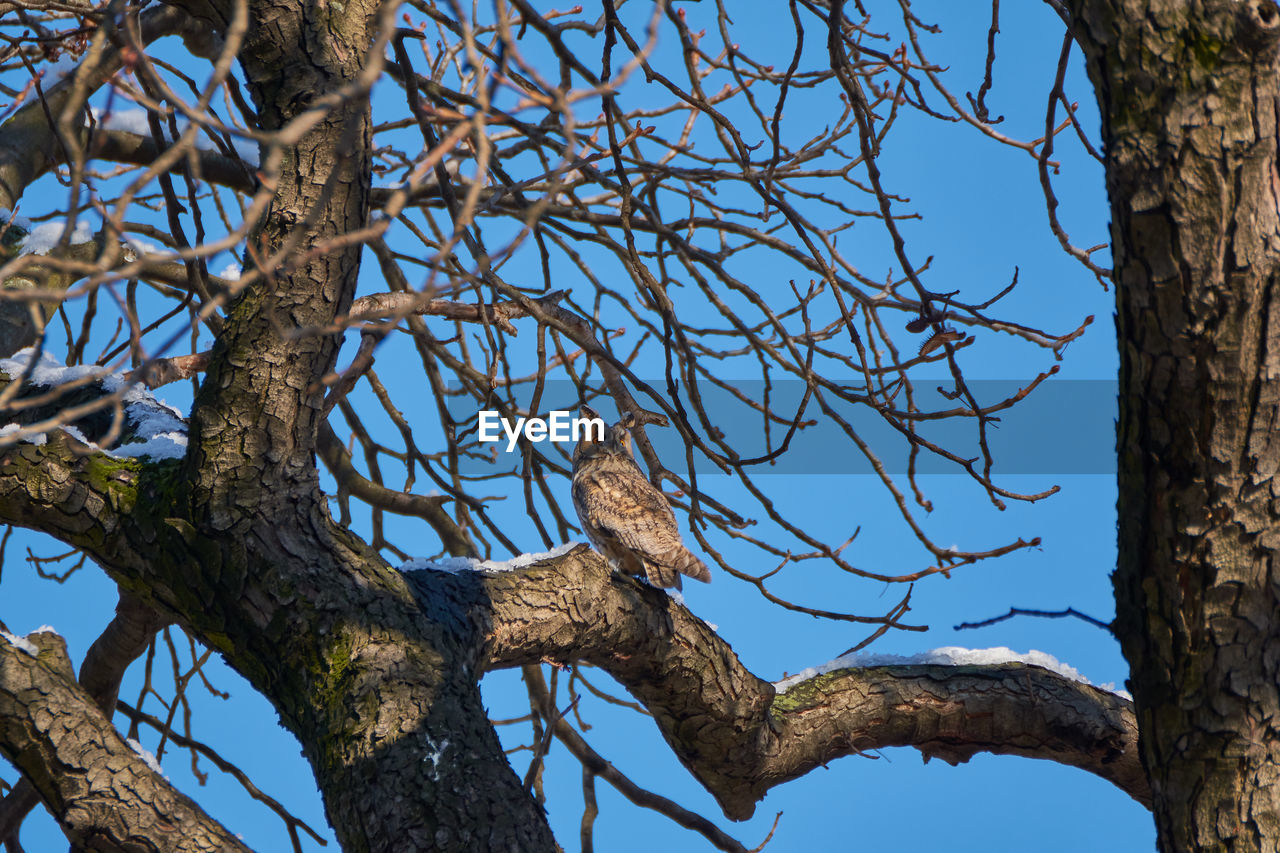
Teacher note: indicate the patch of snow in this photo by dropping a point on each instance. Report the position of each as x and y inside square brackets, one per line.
[75, 433]
[126, 121]
[946, 656]
[170, 445]
[471, 564]
[147, 755]
[1110, 687]
[434, 754]
[161, 433]
[47, 629]
[676, 595]
[21, 642]
[140, 246]
[151, 417]
[39, 439]
[41, 239]
[48, 371]
[135, 121]
[52, 74]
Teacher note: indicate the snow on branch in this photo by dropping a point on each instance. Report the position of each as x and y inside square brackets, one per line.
[19, 642]
[471, 564]
[42, 239]
[946, 656]
[135, 121]
[156, 429]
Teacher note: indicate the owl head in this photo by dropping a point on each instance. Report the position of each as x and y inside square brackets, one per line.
[617, 439]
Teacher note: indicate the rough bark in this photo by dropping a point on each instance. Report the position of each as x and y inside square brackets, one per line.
[1189, 96]
[97, 787]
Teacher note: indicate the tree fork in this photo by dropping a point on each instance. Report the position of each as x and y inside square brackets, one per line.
[383, 698]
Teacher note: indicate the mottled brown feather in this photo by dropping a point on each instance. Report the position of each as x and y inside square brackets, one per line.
[628, 520]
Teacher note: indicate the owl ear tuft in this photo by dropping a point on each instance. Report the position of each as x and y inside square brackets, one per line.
[588, 435]
[588, 443]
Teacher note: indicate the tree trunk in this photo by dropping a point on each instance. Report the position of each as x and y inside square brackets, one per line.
[1189, 96]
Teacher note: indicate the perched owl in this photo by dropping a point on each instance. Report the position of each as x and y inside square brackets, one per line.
[624, 516]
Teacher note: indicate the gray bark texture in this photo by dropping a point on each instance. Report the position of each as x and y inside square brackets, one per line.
[1189, 95]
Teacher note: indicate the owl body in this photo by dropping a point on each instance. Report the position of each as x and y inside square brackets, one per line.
[628, 520]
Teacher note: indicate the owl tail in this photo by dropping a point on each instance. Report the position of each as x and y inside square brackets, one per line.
[665, 571]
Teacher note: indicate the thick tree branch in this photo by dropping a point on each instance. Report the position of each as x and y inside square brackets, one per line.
[98, 788]
[740, 737]
[123, 147]
[58, 489]
[120, 644]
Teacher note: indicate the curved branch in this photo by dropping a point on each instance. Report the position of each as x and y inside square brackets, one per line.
[123, 147]
[102, 792]
[740, 737]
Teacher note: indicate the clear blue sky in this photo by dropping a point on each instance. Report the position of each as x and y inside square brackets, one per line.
[983, 215]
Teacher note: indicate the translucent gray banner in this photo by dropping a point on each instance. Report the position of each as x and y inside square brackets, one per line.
[1062, 427]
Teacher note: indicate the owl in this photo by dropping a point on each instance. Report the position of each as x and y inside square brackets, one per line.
[624, 516]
